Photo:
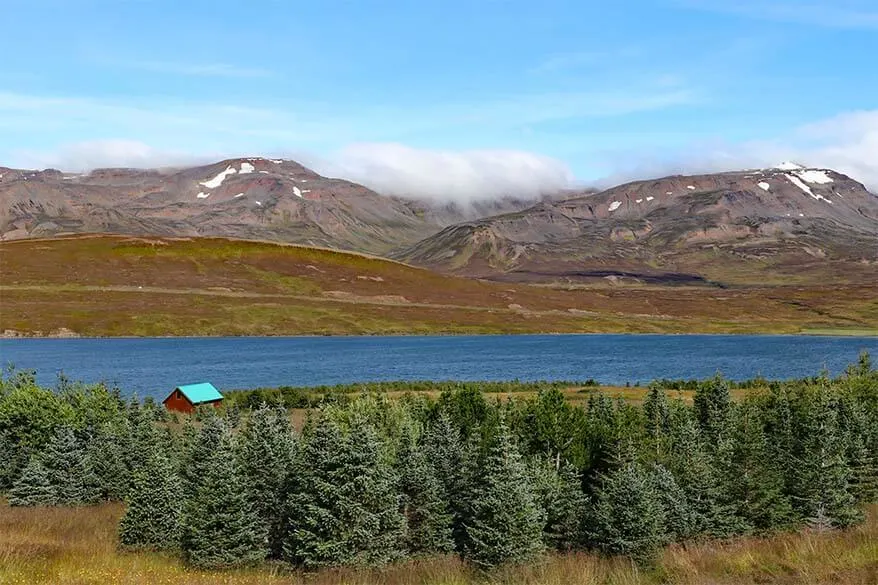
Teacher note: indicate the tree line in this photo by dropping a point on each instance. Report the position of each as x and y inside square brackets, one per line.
[371, 481]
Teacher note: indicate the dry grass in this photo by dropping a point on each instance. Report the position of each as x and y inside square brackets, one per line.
[78, 547]
[114, 285]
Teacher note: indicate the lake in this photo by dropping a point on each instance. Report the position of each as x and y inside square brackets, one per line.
[152, 367]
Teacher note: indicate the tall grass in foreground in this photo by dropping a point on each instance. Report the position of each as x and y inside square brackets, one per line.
[78, 547]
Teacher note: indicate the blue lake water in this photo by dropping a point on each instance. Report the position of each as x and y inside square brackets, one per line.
[151, 367]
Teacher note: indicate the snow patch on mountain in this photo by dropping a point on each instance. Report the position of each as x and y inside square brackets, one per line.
[218, 180]
[764, 186]
[801, 185]
[246, 168]
[816, 177]
[615, 205]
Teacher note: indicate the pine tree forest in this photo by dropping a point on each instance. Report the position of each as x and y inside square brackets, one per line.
[375, 480]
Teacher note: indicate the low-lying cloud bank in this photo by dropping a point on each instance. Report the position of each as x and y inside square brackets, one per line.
[86, 156]
[847, 143]
[462, 177]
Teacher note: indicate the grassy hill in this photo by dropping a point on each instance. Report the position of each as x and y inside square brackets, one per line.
[120, 286]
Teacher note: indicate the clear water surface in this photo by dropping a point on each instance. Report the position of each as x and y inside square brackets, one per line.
[153, 366]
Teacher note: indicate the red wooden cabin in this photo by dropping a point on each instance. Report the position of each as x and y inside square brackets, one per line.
[189, 396]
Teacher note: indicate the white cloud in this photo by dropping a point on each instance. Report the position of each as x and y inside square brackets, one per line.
[84, 156]
[847, 143]
[392, 169]
[459, 176]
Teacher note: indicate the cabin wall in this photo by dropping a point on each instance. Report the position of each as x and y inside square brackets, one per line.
[178, 403]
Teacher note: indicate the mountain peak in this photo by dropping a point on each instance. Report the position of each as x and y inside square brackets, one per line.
[788, 166]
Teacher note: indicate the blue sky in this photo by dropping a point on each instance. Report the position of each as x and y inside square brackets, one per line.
[597, 88]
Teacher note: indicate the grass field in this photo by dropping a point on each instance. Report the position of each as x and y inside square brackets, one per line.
[78, 547]
[120, 286]
[300, 398]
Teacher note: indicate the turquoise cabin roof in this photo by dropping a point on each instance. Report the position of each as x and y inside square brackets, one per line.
[202, 392]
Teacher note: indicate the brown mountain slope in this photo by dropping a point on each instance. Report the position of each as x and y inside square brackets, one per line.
[778, 225]
[247, 198]
[119, 285]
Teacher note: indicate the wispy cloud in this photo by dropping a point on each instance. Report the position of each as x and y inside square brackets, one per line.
[308, 124]
[84, 156]
[847, 143]
[854, 14]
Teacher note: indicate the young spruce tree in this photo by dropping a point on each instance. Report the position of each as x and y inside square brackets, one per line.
[32, 488]
[266, 448]
[822, 494]
[106, 453]
[563, 504]
[506, 524]
[628, 517]
[69, 471]
[342, 507]
[152, 519]
[755, 482]
[447, 452]
[220, 528]
[680, 522]
[695, 471]
[424, 501]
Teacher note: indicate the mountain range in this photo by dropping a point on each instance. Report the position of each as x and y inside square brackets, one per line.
[245, 198]
[788, 224]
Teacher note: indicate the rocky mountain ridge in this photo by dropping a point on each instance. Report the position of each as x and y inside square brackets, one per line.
[723, 227]
[246, 198]
[786, 224]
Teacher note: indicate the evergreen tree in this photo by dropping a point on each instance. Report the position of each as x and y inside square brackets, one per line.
[220, 528]
[713, 409]
[657, 411]
[266, 450]
[822, 483]
[67, 466]
[563, 504]
[694, 469]
[602, 436]
[33, 488]
[778, 415]
[754, 481]
[152, 518]
[680, 522]
[550, 427]
[628, 517]
[203, 444]
[342, 506]
[106, 454]
[12, 461]
[506, 523]
[466, 407]
[861, 447]
[424, 501]
[452, 460]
